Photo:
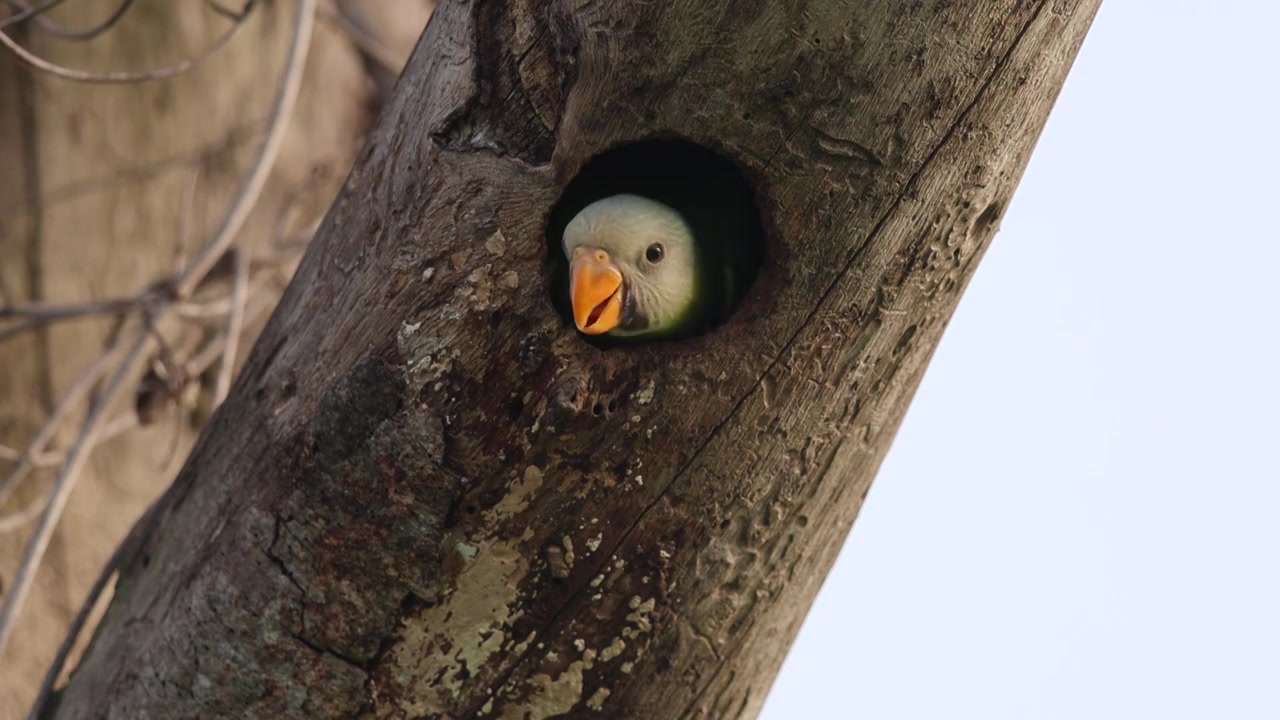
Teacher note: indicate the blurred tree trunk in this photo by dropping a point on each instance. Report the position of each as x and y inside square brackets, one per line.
[94, 181]
[426, 498]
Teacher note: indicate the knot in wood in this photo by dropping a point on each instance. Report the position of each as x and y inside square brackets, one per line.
[567, 398]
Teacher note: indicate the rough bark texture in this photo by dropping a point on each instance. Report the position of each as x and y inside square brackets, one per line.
[92, 180]
[427, 498]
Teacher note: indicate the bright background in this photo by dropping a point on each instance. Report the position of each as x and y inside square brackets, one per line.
[1080, 517]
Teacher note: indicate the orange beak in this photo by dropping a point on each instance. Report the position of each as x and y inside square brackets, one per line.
[595, 286]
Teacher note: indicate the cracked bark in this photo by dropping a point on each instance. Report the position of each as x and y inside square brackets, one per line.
[409, 506]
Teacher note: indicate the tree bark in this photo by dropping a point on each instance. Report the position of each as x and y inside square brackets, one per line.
[426, 497]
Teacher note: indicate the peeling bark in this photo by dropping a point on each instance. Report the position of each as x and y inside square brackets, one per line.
[426, 497]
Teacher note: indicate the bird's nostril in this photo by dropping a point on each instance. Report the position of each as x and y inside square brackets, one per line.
[602, 256]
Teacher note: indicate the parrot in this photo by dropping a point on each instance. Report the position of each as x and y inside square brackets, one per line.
[661, 244]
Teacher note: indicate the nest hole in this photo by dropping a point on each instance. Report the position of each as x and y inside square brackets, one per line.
[710, 192]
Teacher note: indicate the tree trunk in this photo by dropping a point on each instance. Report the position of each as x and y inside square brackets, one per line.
[426, 497]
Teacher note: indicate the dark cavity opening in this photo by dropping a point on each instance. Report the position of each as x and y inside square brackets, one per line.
[707, 189]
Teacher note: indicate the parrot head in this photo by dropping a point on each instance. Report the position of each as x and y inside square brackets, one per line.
[633, 267]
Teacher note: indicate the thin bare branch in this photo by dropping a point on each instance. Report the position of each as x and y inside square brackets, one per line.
[19, 518]
[225, 11]
[66, 73]
[53, 311]
[228, 142]
[82, 615]
[363, 39]
[246, 197]
[279, 233]
[36, 447]
[199, 311]
[235, 324]
[184, 220]
[53, 28]
[258, 303]
[303, 236]
[50, 312]
[27, 12]
[51, 458]
[21, 328]
[37, 315]
[251, 186]
[62, 487]
[46, 459]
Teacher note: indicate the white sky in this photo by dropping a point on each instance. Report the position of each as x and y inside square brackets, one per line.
[1080, 517]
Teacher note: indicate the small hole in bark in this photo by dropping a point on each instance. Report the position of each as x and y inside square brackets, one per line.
[515, 408]
[597, 409]
[988, 217]
[613, 405]
[471, 509]
[718, 205]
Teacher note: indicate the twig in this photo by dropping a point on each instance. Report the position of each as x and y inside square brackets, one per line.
[37, 445]
[51, 458]
[61, 491]
[21, 328]
[221, 306]
[37, 315]
[251, 187]
[225, 11]
[246, 197]
[16, 519]
[66, 73]
[196, 311]
[45, 459]
[136, 174]
[292, 200]
[197, 365]
[363, 39]
[27, 12]
[184, 219]
[121, 554]
[235, 324]
[49, 312]
[288, 249]
[90, 33]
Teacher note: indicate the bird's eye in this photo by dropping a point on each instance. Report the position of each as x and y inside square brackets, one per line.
[655, 253]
